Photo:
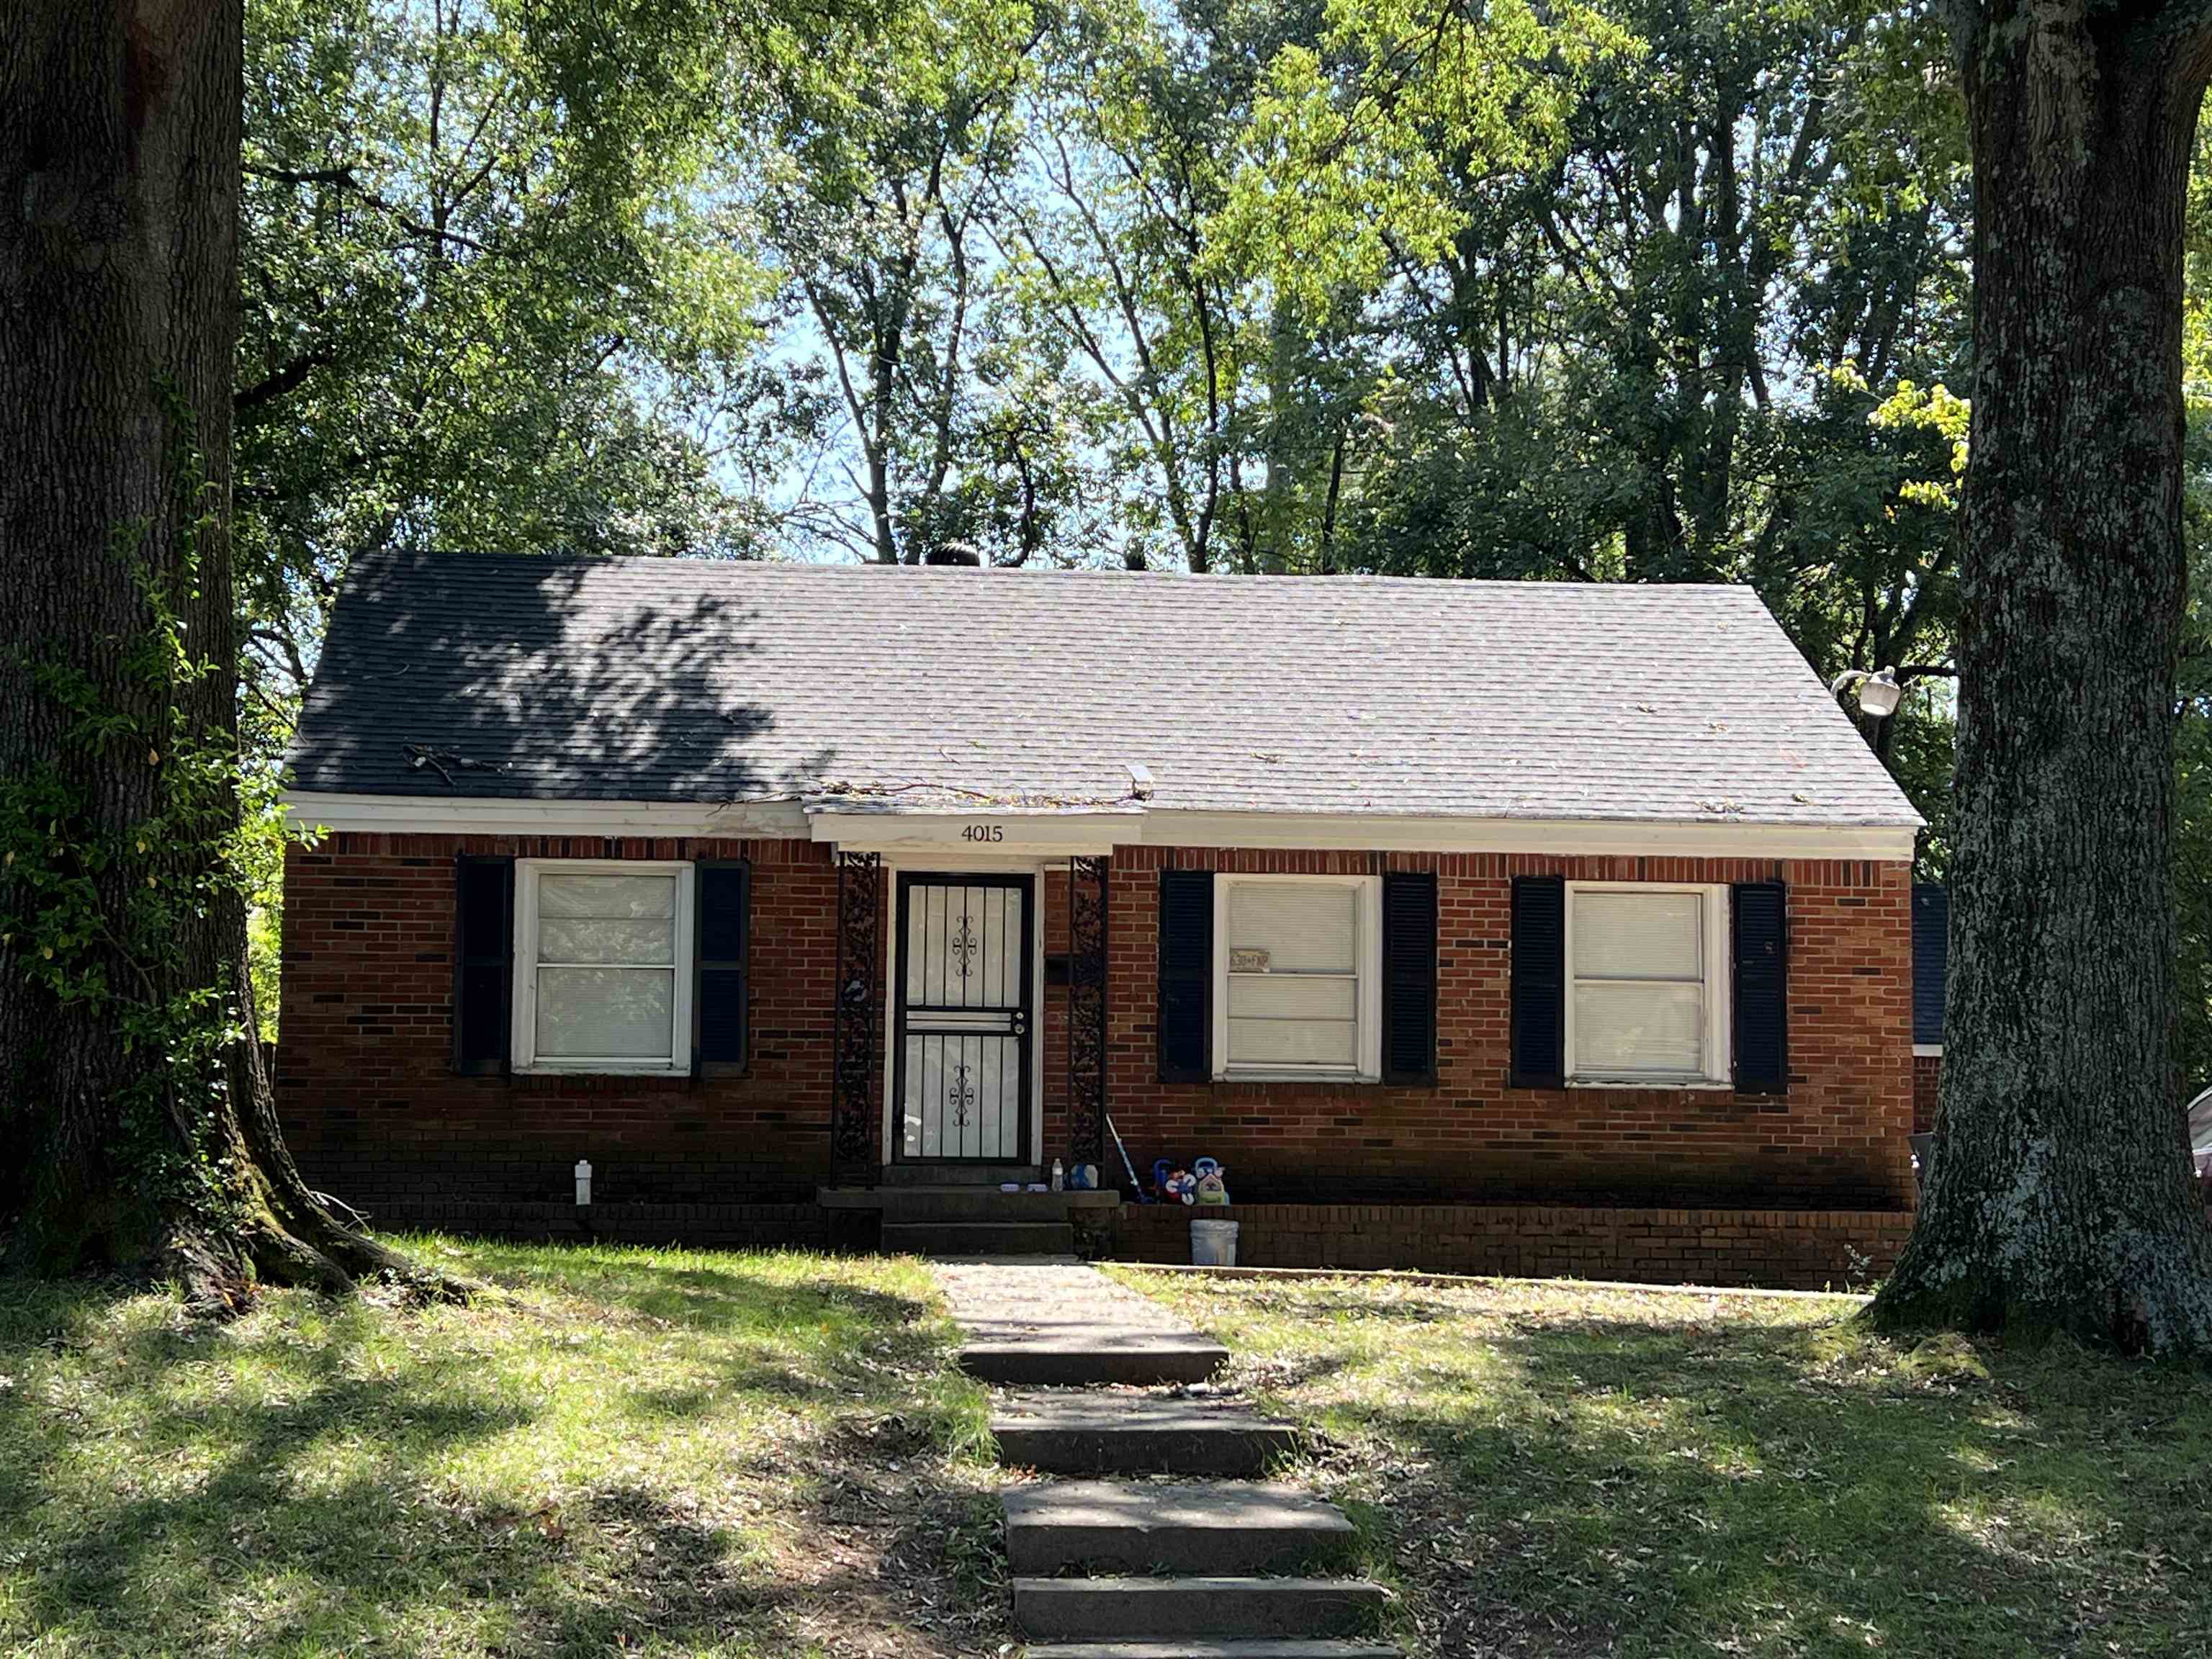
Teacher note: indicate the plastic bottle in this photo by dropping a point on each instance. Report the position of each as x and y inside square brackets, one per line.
[1058, 1176]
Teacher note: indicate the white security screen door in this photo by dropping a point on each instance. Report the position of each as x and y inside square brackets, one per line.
[965, 1016]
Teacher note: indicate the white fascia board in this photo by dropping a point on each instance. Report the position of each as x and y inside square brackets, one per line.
[439, 815]
[1011, 832]
[1058, 833]
[1722, 838]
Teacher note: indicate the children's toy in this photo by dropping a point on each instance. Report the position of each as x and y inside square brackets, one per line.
[1174, 1185]
[1208, 1187]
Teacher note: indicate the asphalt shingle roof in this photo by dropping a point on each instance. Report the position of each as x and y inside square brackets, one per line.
[676, 680]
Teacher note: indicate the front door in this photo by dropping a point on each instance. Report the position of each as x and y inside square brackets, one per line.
[961, 1044]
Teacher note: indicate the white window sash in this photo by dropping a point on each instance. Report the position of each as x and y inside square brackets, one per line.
[1367, 974]
[524, 1033]
[1716, 1039]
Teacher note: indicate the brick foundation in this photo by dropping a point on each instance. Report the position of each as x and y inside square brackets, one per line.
[1793, 1249]
[714, 1226]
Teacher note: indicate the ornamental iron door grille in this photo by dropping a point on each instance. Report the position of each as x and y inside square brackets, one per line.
[961, 1048]
[1086, 1010]
[854, 1102]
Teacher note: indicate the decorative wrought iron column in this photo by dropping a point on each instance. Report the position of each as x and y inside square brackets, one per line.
[1086, 1012]
[855, 1114]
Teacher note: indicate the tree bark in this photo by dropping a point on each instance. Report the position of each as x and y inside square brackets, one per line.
[2061, 1197]
[132, 1079]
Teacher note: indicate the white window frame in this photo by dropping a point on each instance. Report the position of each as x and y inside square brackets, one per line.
[1719, 1070]
[527, 872]
[1368, 999]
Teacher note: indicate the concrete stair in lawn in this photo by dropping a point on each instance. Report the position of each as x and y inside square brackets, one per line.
[1190, 1568]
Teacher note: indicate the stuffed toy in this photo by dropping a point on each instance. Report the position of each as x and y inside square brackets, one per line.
[1208, 1189]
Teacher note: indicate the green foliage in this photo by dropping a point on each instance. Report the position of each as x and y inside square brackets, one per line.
[490, 293]
[93, 910]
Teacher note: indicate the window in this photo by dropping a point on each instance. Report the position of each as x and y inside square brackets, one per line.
[1296, 988]
[603, 966]
[1647, 998]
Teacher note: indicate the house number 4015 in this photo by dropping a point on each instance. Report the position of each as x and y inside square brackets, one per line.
[984, 832]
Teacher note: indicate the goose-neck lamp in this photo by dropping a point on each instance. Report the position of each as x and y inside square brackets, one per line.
[1879, 692]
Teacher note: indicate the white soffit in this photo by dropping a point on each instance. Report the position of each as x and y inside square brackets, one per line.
[1033, 833]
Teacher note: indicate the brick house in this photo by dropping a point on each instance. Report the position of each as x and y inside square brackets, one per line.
[1491, 926]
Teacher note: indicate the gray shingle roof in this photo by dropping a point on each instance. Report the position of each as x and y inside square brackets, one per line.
[675, 680]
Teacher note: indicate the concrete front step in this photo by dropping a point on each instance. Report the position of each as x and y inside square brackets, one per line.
[978, 1238]
[1075, 1359]
[1217, 1647]
[1137, 1434]
[1207, 1528]
[959, 1174]
[1128, 1608]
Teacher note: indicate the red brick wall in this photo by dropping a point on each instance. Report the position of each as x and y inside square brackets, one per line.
[1927, 1091]
[376, 1114]
[1837, 1139]
[1796, 1250]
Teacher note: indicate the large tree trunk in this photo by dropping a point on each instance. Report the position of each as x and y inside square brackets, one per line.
[136, 1114]
[2060, 1196]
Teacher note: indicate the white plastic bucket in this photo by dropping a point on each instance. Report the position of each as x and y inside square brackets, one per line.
[1213, 1244]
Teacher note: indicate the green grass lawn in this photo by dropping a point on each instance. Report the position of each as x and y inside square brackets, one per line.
[1554, 1471]
[625, 1452]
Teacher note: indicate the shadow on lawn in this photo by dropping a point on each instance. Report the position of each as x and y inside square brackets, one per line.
[317, 1507]
[1591, 1484]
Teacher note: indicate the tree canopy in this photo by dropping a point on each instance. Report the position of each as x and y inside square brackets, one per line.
[1619, 291]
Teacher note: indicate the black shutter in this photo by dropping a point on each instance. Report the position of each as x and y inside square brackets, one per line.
[718, 994]
[1760, 1012]
[1186, 1010]
[1540, 982]
[1409, 977]
[484, 962]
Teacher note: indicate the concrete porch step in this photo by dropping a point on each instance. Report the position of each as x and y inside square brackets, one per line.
[1137, 1434]
[1202, 1527]
[959, 1174]
[1217, 1647]
[1074, 1357]
[978, 1238]
[1127, 1609]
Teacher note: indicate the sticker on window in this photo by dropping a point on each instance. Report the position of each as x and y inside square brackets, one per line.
[1248, 960]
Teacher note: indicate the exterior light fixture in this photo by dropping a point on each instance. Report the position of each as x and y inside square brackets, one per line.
[1879, 693]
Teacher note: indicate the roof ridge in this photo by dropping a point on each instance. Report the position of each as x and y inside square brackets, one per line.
[704, 562]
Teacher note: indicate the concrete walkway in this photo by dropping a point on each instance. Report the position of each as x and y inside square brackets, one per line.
[1090, 1379]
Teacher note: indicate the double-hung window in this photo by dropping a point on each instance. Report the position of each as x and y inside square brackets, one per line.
[1647, 997]
[603, 966]
[1297, 977]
